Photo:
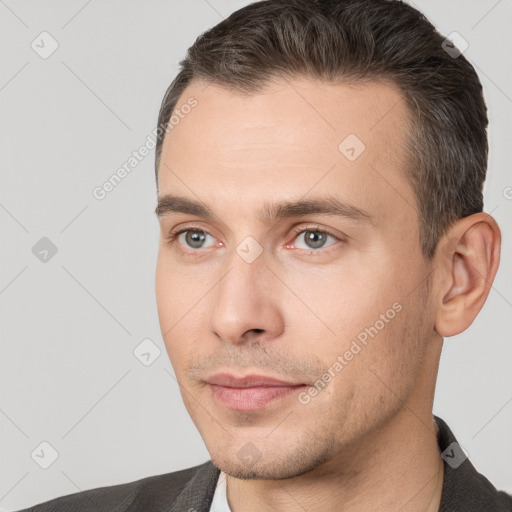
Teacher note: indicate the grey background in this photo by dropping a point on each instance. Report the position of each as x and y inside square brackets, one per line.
[69, 326]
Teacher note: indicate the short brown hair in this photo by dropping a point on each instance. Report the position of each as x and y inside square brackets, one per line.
[352, 40]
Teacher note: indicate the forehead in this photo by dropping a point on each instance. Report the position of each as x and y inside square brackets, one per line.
[288, 138]
[297, 106]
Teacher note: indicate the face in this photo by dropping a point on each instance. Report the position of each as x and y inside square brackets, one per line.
[293, 254]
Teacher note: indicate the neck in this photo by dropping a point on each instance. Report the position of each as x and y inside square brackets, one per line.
[396, 467]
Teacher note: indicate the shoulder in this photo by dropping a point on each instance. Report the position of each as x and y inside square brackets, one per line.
[464, 488]
[161, 490]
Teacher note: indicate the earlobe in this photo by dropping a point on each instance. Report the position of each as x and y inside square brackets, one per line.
[468, 259]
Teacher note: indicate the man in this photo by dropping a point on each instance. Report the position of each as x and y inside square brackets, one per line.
[319, 168]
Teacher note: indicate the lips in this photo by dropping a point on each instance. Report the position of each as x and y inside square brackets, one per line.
[251, 392]
[249, 381]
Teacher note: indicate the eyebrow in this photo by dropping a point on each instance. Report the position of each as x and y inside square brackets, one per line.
[270, 212]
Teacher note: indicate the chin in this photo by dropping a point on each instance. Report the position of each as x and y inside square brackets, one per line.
[250, 464]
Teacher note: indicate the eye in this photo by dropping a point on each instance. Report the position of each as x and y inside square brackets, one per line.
[314, 238]
[193, 240]
[190, 238]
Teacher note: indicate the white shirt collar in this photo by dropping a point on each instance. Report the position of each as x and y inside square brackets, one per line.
[220, 499]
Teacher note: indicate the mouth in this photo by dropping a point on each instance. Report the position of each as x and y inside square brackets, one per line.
[251, 392]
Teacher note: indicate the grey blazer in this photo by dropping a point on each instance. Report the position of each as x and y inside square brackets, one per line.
[192, 489]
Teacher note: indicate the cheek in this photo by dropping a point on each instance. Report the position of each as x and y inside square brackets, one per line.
[179, 288]
[393, 357]
[341, 302]
[364, 322]
[180, 304]
[375, 379]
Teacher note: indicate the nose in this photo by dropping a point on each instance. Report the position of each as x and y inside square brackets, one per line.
[246, 303]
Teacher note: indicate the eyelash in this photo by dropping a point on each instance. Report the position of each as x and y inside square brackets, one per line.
[171, 238]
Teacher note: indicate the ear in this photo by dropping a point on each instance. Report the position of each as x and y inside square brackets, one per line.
[467, 258]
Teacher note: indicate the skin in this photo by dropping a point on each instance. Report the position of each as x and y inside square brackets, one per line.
[368, 440]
